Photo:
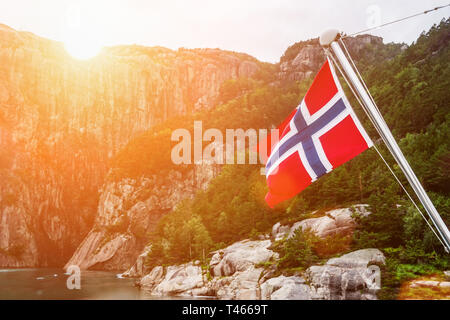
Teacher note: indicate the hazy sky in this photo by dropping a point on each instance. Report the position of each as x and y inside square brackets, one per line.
[261, 28]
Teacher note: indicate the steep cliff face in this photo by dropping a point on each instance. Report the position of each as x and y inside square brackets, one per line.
[61, 120]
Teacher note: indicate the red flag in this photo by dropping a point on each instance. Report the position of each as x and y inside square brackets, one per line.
[322, 133]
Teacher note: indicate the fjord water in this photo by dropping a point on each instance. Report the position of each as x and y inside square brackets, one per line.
[33, 284]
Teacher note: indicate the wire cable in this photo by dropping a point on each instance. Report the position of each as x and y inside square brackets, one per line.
[398, 20]
[379, 153]
[360, 77]
[378, 110]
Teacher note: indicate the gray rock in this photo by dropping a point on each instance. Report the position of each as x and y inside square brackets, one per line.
[352, 276]
[292, 291]
[360, 258]
[338, 221]
[236, 275]
[240, 256]
[173, 280]
[242, 285]
[309, 57]
[285, 288]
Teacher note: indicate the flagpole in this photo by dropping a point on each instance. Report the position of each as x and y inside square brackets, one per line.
[329, 39]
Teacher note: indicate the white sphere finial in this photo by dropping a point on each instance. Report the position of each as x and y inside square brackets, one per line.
[328, 37]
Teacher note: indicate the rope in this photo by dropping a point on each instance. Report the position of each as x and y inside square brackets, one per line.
[398, 20]
[360, 77]
[378, 110]
[376, 149]
[409, 196]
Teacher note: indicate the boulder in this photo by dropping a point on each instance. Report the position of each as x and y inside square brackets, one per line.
[338, 221]
[240, 256]
[358, 259]
[285, 288]
[350, 277]
[242, 285]
[173, 280]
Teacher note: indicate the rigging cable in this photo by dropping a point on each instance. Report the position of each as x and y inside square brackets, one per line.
[398, 20]
[379, 153]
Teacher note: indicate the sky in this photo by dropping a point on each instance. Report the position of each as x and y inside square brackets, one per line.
[261, 28]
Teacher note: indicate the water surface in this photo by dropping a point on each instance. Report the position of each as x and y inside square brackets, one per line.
[43, 283]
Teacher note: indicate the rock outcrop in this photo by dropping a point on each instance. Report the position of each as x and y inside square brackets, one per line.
[333, 222]
[127, 211]
[61, 121]
[347, 277]
[240, 256]
[238, 272]
[303, 59]
[285, 288]
[234, 271]
[175, 280]
[350, 277]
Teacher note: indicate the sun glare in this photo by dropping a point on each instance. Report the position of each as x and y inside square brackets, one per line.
[81, 36]
[82, 48]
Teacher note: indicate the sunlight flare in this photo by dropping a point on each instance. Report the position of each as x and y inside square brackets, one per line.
[81, 37]
[81, 47]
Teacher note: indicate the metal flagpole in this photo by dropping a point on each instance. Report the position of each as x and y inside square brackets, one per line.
[329, 39]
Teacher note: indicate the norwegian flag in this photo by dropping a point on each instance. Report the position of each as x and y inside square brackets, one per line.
[322, 133]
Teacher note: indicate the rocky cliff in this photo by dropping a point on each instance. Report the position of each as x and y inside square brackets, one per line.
[348, 277]
[247, 269]
[61, 120]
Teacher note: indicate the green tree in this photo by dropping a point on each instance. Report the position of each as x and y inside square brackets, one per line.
[196, 235]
